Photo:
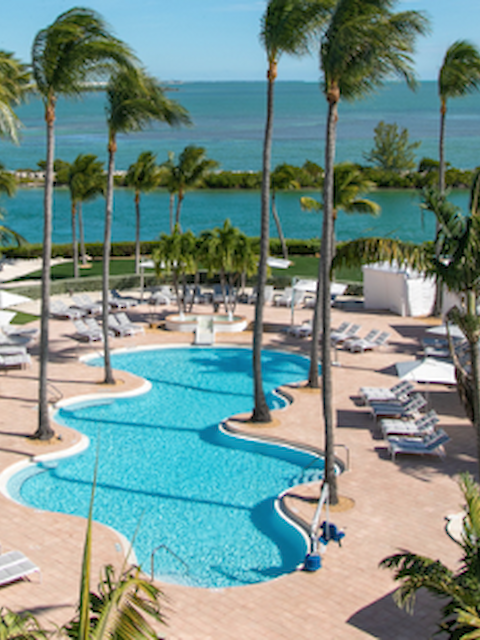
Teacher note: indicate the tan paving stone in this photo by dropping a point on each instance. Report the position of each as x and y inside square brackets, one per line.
[396, 505]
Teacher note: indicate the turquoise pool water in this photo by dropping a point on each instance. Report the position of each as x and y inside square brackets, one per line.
[203, 499]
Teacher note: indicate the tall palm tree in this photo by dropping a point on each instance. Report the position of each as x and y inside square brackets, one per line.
[348, 183]
[15, 81]
[365, 42]
[188, 173]
[458, 76]
[77, 46]
[85, 178]
[143, 176]
[134, 101]
[460, 588]
[287, 26]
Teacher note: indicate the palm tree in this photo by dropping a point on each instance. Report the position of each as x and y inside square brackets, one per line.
[287, 26]
[134, 101]
[85, 179]
[348, 183]
[282, 177]
[458, 76]
[74, 48]
[460, 588]
[20, 626]
[176, 254]
[143, 176]
[365, 42]
[188, 173]
[170, 182]
[15, 81]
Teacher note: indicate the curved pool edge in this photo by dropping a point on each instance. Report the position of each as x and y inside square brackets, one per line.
[84, 442]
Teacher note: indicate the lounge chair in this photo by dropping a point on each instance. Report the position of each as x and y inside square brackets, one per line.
[413, 428]
[398, 392]
[163, 295]
[358, 346]
[125, 322]
[397, 409]
[338, 337]
[303, 330]
[117, 301]
[85, 303]
[14, 360]
[59, 310]
[268, 293]
[289, 297]
[14, 565]
[117, 328]
[432, 445]
[83, 332]
[371, 335]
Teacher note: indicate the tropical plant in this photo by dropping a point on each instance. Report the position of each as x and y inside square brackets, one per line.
[230, 253]
[288, 26]
[392, 150]
[460, 588]
[177, 254]
[365, 42]
[143, 176]
[8, 186]
[134, 101]
[76, 47]
[188, 173]
[85, 179]
[458, 76]
[15, 80]
[283, 177]
[20, 626]
[348, 183]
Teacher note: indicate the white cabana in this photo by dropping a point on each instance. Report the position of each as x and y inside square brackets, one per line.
[9, 299]
[398, 289]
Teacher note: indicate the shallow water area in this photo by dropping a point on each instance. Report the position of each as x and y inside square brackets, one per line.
[203, 500]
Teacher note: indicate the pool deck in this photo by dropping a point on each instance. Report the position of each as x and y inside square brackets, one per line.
[397, 505]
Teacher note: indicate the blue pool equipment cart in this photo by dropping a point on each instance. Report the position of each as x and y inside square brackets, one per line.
[329, 532]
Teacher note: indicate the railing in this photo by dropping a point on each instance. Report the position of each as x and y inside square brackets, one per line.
[152, 559]
[347, 450]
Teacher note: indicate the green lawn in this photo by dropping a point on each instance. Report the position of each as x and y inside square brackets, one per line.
[307, 267]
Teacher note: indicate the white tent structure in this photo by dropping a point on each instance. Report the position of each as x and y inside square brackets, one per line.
[9, 299]
[428, 370]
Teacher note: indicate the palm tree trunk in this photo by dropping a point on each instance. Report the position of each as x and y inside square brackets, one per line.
[437, 307]
[261, 412]
[112, 147]
[313, 378]
[326, 261]
[81, 233]
[172, 205]
[74, 240]
[44, 430]
[279, 226]
[137, 232]
[474, 356]
[179, 208]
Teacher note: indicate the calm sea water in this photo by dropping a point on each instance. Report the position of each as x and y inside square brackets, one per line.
[229, 121]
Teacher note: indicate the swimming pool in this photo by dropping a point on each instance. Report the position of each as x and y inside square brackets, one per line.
[203, 499]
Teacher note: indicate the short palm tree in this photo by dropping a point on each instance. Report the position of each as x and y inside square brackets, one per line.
[458, 76]
[20, 626]
[282, 177]
[288, 26]
[348, 183]
[177, 254]
[134, 101]
[459, 589]
[15, 80]
[85, 178]
[77, 46]
[188, 173]
[143, 176]
[365, 43]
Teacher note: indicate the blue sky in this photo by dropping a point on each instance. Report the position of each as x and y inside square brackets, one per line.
[218, 39]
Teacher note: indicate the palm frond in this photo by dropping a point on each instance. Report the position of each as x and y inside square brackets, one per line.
[460, 70]
[370, 250]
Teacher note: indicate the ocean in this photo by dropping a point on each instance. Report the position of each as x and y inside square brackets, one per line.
[228, 120]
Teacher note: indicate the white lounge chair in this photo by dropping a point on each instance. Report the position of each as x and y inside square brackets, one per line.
[338, 337]
[58, 309]
[397, 409]
[14, 565]
[289, 297]
[398, 392]
[125, 322]
[432, 445]
[117, 301]
[86, 304]
[269, 292]
[163, 295]
[303, 330]
[83, 332]
[14, 360]
[371, 335]
[413, 428]
[117, 328]
[358, 346]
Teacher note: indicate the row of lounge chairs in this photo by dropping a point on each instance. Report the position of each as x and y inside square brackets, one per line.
[406, 431]
[347, 336]
[119, 324]
[13, 347]
[84, 306]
